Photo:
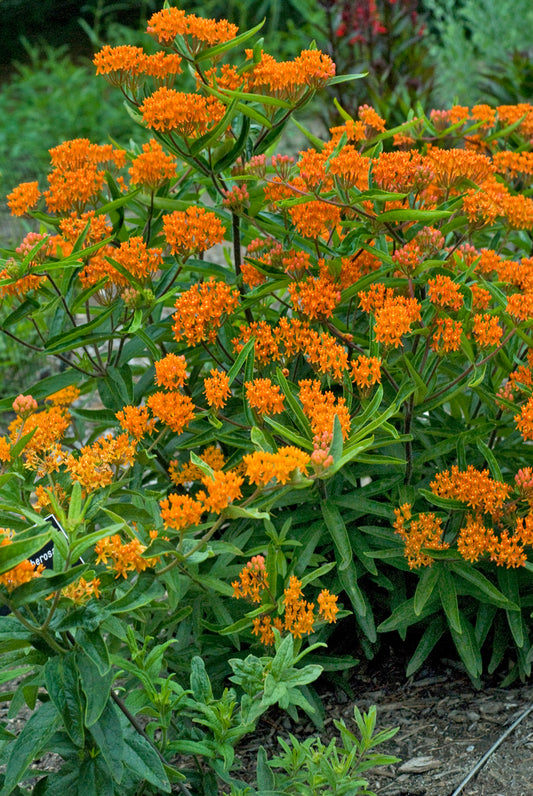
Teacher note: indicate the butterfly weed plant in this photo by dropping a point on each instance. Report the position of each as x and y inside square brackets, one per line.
[294, 392]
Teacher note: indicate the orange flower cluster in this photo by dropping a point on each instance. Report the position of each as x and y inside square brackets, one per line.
[264, 397]
[474, 487]
[181, 511]
[448, 335]
[444, 292]
[524, 420]
[136, 421]
[290, 80]
[173, 409]
[315, 297]
[190, 115]
[171, 371]
[262, 467]
[253, 579]
[97, 464]
[298, 615]
[48, 428]
[394, 314]
[152, 168]
[366, 371]
[64, 397]
[222, 489]
[486, 329]
[425, 532]
[76, 179]
[291, 337]
[125, 65]
[192, 231]
[82, 590]
[217, 389]
[315, 219]
[21, 573]
[165, 25]
[123, 557]
[23, 198]
[321, 408]
[200, 311]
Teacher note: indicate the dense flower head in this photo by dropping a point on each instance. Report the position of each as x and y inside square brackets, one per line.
[447, 336]
[221, 489]
[444, 292]
[264, 397]
[123, 557]
[217, 389]
[315, 297]
[153, 167]
[96, 464]
[48, 427]
[82, 590]
[424, 532]
[23, 198]
[365, 371]
[288, 80]
[261, 467]
[401, 172]
[253, 580]
[173, 409]
[136, 421]
[315, 219]
[180, 511]
[321, 408]
[471, 486]
[171, 371]
[165, 25]
[486, 329]
[192, 231]
[201, 309]
[139, 260]
[76, 179]
[190, 115]
[126, 66]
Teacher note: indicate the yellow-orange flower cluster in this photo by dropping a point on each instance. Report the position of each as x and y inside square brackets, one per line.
[201, 309]
[21, 573]
[192, 231]
[262, 467]
[123, 557]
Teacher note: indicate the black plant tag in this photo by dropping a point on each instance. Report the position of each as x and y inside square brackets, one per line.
[43, 556]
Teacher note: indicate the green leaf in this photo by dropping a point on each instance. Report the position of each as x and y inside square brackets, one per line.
[200, 683]
[424, 589]
[508, 580]
[141, 758]
[339, 534]
[433, 632]
[348, 579]
[107, 733]
[264, 775]
[145, 590]
[48, 583]
[490, 459]
[95, 647]
[96, 687]
[467, 647]
[413, 215]
[448, 598]
[33, 738]
[62, 684]
[332, 81]
[247, 351]
[494, 596]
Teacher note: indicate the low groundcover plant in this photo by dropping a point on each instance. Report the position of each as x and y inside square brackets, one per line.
[269, 366]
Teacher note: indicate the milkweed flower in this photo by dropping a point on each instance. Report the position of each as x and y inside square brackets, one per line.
[183, 473]
[136, 421]
[171, 371]
[190, 115]
[264, 397]
[217, 389]
[261, 467]
[486, 329]
[321, 408]
[23, 198]
[153, 167]
[253, 580]
[165, 25]
[173, 409]
[64, 397]
[21, 573]
[471, 486]
[123, 557]
[366, 371]
[192, 231]
[424, 532]
[180, 511]
[201, 309]
[222, 489]
[447, 336]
